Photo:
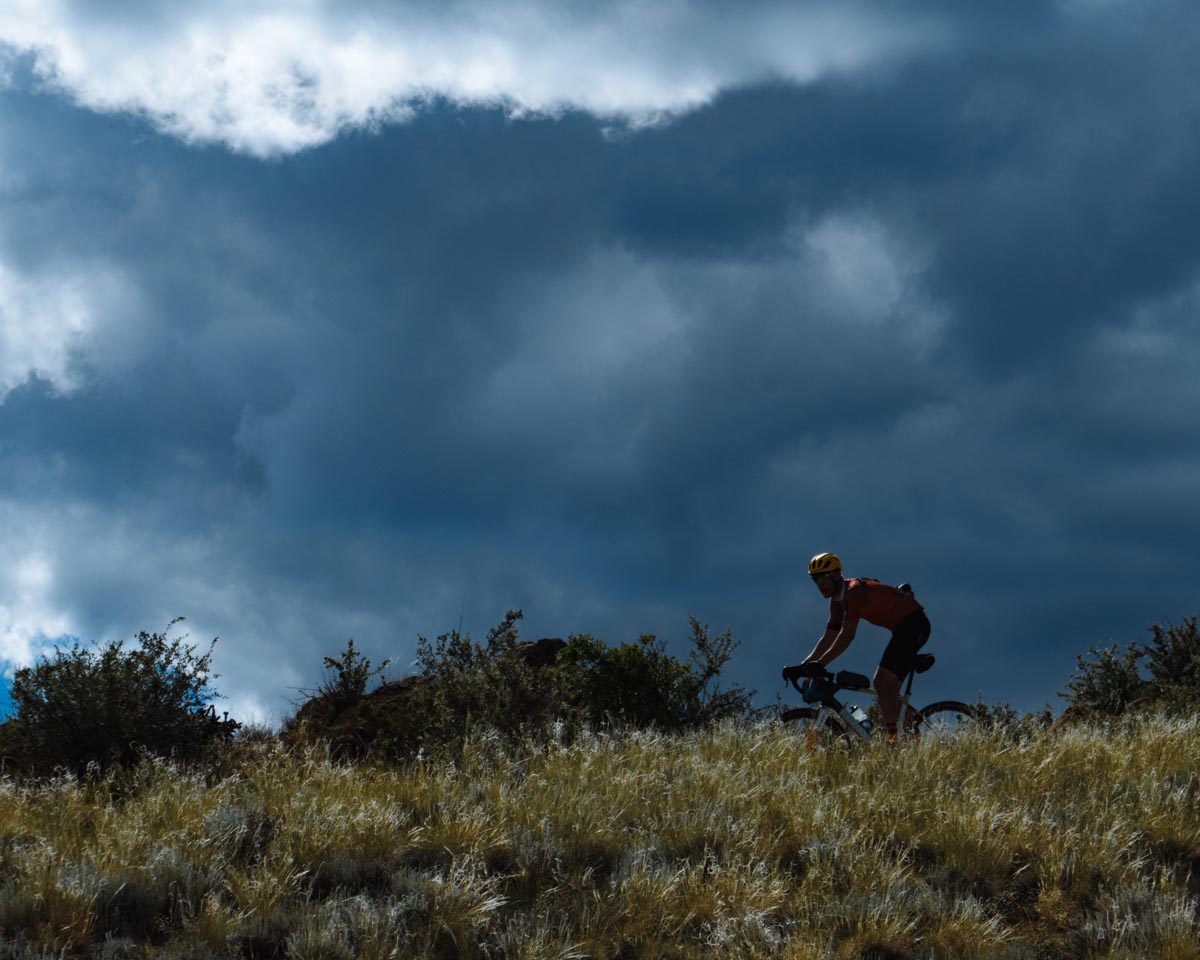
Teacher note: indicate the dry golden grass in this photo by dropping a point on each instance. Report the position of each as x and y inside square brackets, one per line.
[734, 843]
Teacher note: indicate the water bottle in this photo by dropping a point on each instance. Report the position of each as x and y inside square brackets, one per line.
[864, 721]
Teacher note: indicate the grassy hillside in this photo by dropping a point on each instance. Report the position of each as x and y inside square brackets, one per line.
[735, 843]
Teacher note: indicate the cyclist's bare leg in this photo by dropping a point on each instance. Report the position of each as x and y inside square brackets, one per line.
[887, 689]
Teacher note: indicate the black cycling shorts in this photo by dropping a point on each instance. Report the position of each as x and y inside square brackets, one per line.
[909, 636]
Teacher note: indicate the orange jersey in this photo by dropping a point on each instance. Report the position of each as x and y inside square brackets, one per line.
[864, 599]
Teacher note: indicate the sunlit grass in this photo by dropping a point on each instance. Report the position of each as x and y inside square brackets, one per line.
[734, 843]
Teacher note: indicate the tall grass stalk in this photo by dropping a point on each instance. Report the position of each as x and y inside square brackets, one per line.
[737, 842]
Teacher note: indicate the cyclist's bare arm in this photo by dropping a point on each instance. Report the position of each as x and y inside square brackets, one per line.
[834, 642]
[823, 645]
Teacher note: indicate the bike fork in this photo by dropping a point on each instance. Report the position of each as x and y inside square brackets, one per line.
[813, 737]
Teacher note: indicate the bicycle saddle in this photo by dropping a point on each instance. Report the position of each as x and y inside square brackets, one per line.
[922, 662]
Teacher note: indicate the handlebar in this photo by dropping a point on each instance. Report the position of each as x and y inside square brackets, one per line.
[810, 670]
[821, 681]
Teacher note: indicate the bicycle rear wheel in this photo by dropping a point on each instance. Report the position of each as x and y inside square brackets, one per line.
[943, 720]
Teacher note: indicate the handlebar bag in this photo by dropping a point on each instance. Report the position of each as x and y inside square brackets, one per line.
[814, 689]
[852, 681]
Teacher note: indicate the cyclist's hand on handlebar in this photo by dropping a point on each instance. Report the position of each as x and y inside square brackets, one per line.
[810, 668]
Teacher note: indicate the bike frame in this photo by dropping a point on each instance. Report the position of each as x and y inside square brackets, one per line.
[832, 707]
[844, 715]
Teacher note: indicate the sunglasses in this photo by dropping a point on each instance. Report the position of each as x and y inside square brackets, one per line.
[818, 577]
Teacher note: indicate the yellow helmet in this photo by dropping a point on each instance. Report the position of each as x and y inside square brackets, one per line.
[824, 563]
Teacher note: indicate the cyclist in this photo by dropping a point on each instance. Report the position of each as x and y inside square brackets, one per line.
[860, 598]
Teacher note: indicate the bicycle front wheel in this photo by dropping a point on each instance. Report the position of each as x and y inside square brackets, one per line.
[943, 720]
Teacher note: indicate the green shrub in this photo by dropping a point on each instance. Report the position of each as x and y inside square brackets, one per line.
[464, 687]
[640, 684]
[81, 709]
[1173, 659]
[347, 678]
[1110, 679]
[1005, 719]
[635, 684]
[1107, 680]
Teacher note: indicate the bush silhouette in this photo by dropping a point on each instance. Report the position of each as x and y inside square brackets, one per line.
[467, 687]
[1173, 659]
[640, 684]
[84, 709]
[464, 687]
[347, 678]
[1110, 679]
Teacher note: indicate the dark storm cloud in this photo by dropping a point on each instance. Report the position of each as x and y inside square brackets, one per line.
[938, 317]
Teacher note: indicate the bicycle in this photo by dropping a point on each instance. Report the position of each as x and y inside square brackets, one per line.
[939, 720]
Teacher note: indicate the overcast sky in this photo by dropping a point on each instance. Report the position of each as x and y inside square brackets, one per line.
[371, 320]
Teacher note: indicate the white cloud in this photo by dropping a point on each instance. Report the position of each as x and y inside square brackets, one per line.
[274, 77]
[860, 263]
[47, 318]
[69, 569]
[29, 619]
[871, 275]
[63, 564]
